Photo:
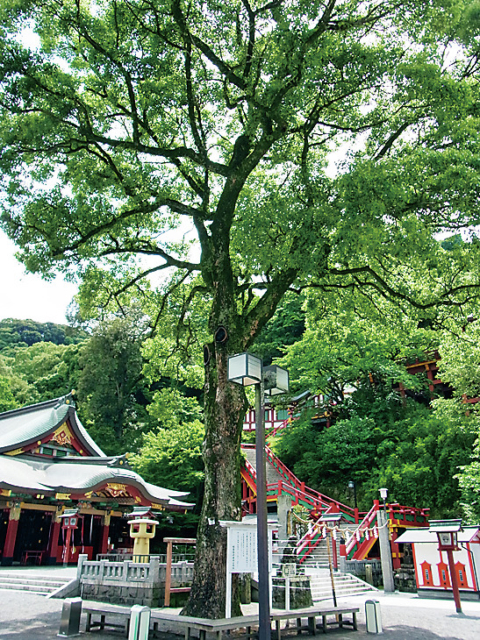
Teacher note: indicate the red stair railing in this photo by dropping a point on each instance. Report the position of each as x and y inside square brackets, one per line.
[314, 500]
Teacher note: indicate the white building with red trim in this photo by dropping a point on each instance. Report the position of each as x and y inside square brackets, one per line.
[431, 565]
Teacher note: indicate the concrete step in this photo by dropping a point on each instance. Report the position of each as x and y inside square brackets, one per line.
[36, 584]
[23, 587]
[345, 585]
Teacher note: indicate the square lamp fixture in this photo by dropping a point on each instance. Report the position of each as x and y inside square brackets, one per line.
[447, 532]
[245, 369]
[276, 380]
[331, 518]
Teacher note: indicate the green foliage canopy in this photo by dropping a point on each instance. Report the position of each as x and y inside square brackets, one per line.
[128, 120]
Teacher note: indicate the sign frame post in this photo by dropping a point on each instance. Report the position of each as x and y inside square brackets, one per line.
[242, 556]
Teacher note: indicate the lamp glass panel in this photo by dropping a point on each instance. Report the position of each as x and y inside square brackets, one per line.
[282, 379]
[237, 367]
[254, 369]
[276, 380]
[244, 369]
[445, 539]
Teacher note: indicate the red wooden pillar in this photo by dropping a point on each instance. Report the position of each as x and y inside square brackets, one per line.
[11, 537]
[53, 540]
[453, 578]
[430, 378]
[334, 553]
[66, 546]
[105, 532]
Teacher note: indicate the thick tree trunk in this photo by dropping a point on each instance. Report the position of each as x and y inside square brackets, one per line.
[225, 407]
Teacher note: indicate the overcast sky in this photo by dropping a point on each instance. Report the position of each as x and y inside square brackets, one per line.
[26, 296]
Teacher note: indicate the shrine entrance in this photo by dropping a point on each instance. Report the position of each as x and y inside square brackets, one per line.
[33, 535]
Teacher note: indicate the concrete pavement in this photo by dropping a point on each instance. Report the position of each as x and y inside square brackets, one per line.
[26, 616]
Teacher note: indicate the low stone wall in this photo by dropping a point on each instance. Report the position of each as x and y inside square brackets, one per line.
[130, 582]
[368, 570]
[300, 593]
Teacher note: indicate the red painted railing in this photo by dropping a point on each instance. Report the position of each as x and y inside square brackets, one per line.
[316, 501]
[358, 546]
[358, 543]
[363, 538]
[273, 432]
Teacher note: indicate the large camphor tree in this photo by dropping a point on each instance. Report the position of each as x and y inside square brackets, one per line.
[121, 121]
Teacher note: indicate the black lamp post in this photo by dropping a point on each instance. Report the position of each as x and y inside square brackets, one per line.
[246, 369]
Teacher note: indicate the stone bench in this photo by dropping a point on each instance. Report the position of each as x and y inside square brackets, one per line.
[117, 617]
[204, 625]
[311, 614]
[101, 615]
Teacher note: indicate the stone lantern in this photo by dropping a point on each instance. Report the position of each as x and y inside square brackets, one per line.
[141, 530]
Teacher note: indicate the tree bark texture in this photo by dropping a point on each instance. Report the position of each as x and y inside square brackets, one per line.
[225, 406]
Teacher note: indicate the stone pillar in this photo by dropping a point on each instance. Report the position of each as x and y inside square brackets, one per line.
[82, 558]
[11, 537]
[385, 553]
[284, 504]
[334, 553]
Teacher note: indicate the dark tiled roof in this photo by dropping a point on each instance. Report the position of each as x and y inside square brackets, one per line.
[28, 475]
[21, 427]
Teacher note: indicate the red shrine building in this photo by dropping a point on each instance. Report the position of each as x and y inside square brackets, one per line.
[60, 495]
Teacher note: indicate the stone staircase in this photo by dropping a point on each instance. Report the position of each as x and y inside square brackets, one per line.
[346, 585]
[272, 474]
[316, 566]
[33, 582]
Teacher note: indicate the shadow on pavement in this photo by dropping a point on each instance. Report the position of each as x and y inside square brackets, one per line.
[45, 625]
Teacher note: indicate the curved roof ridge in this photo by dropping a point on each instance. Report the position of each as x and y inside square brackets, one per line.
[32, 407]
[21, 427]
[54, 477]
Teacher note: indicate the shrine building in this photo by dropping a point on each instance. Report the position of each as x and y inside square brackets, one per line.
[432, 572]
[60, 495]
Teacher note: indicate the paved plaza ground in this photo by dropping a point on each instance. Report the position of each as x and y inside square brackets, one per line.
[25, 616]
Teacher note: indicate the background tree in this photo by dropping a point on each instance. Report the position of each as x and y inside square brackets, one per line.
[109, 382]
[284, 329]
[7, 399]
[379, 437]
[40, 372]
[123, 121]
[14, 332]
[459, 367]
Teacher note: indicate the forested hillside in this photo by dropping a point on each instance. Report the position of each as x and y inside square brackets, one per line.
[392, 428]
[420, 445]
[19, 333]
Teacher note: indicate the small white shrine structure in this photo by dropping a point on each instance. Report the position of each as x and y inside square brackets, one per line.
[431, 565]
